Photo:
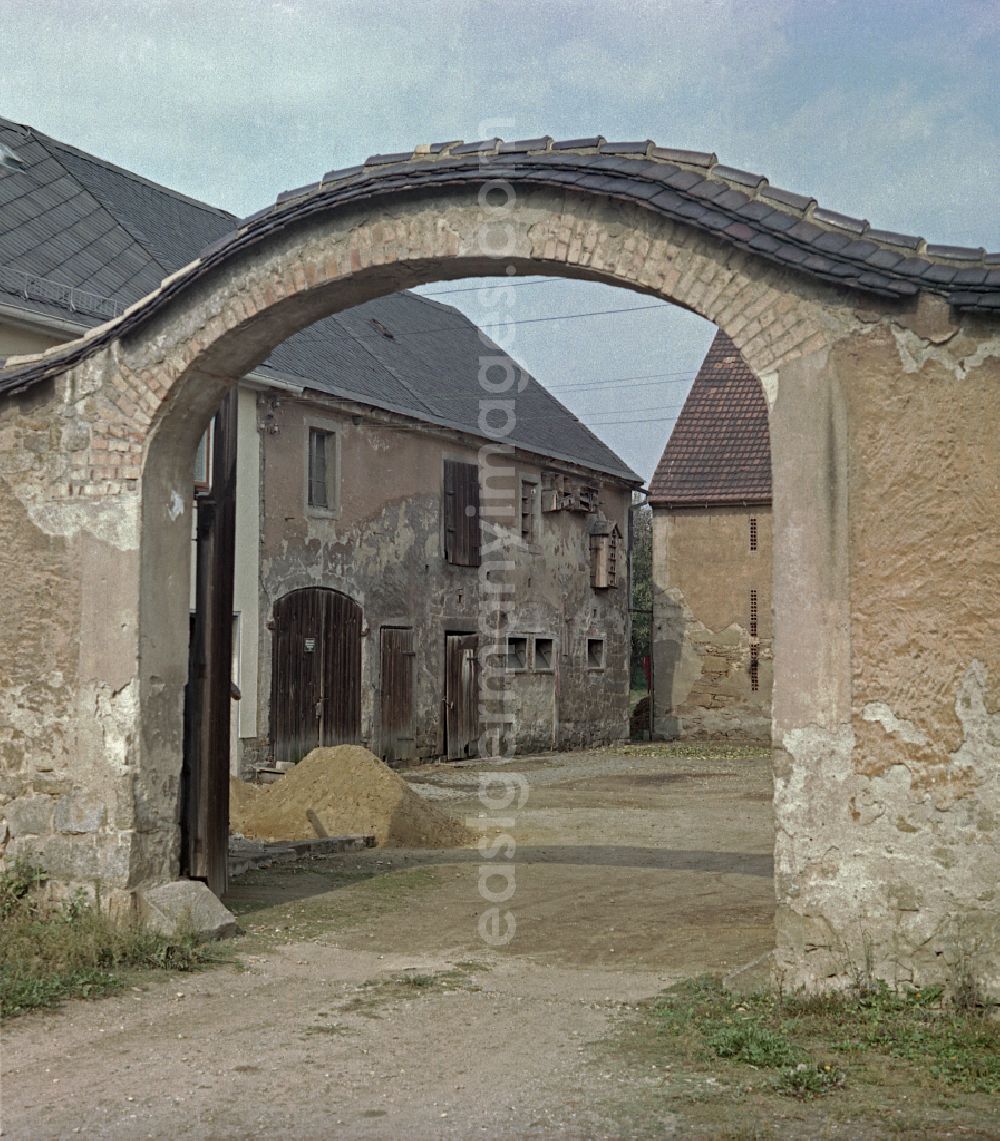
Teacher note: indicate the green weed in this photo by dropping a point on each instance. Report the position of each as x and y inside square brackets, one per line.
[944, 1041]
[51, 952]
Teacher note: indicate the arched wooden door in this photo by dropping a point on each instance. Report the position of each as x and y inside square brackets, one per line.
[316, 674]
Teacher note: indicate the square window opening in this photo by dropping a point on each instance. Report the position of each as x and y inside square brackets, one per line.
[595, 653]
[543, 654]
[517, 653]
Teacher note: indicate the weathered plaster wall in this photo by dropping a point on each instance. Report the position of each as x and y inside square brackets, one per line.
[703, 572]
[382, 547]
[18, 339]
[887, 854]
[68, 694]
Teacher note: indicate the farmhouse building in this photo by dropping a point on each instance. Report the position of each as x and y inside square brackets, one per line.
[711, 500]
[378, 520]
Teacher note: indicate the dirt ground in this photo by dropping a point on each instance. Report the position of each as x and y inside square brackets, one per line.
[363, 1001]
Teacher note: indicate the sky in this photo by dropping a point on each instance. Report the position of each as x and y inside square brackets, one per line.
[886, 109]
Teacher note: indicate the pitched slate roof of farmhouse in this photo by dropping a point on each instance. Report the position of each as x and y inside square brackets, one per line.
[82, 239]
[720, 449]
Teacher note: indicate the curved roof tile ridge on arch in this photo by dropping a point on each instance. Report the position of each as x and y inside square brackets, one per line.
[719, 452]
[693, 187]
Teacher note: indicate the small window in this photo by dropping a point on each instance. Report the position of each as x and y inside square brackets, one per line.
[517, 654]
[595, 653]
[543, 654]
[322, 466]
[236, 650]
[203, 459]
[754, 668]
[753, 532]
[753, 613]
[530, 500]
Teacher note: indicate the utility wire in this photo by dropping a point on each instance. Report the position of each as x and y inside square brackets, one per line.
[393, 336]
[637, 376]
[616, 384]
[505, 285]
[620, 411]
[644, 420]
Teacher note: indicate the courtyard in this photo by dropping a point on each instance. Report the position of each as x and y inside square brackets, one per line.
[362, 1000]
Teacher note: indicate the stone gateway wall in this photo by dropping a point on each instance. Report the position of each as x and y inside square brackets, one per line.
[880, 359]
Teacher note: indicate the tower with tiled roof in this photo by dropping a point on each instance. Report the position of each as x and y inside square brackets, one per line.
[711, 500]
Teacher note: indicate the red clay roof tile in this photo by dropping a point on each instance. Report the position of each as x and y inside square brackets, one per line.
[720, 449]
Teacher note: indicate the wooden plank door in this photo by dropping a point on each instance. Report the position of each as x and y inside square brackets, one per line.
[316, 673]
[461, 696]
[396, 694]
[204, 794]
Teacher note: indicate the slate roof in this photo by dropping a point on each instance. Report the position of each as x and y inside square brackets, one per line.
[82, 239]
[720, 449]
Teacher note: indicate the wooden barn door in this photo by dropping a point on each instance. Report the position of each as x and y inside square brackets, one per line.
[461, 697]
[396, 693]
[316, 675]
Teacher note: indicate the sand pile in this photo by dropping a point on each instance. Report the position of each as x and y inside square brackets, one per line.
[342, 791]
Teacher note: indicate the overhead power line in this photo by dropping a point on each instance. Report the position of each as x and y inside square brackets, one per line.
[644, 420]
[503, 285]
[621, 411]
[684, 379]
[393, 335]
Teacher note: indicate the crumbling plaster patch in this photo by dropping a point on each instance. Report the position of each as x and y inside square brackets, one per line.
[854, 850]
[116, 712]
[957, 356]
[114, 522]
[879, 712]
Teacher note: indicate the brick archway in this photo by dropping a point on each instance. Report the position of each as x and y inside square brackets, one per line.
[876, 352]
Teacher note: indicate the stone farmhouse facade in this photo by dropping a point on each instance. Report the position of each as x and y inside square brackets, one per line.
[370, 506]
[712, 558]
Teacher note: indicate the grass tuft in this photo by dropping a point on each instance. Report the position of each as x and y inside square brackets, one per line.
[940, 1039]
[52, 952]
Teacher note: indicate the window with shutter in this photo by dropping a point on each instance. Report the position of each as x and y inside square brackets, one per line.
[321, 470]
[461, 513]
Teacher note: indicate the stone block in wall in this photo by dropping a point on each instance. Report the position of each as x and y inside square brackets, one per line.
[79, 812]
[52, 783]
[81, 858]
[30, 816]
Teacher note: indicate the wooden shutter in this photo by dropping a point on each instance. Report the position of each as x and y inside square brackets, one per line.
[461, 513]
